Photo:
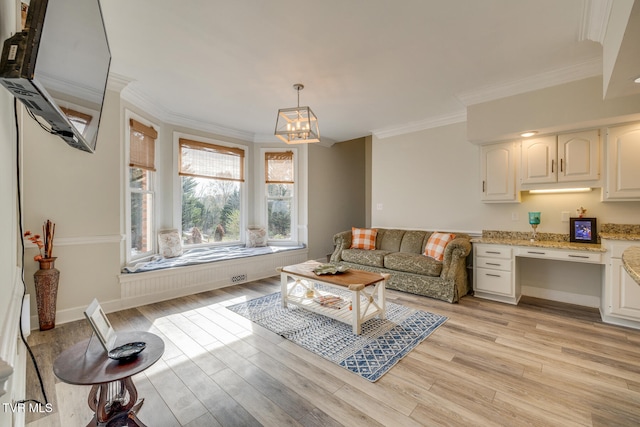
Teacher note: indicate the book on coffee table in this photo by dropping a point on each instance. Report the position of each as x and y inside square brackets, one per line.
[331, 301]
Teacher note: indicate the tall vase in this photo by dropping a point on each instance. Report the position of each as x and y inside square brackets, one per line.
[46, 281]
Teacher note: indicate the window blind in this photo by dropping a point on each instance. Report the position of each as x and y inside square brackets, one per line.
[77, 116]
[279, 167]
[142, 146]
[203, 160]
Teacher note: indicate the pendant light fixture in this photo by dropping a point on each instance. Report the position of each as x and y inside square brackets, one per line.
[297, 125]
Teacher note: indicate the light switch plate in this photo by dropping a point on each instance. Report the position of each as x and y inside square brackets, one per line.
[564, 216]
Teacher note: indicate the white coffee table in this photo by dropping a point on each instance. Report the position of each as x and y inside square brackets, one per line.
[367, 292]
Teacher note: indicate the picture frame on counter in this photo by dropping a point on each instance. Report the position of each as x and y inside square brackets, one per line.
[583, 230]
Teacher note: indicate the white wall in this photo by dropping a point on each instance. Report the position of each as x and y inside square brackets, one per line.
[431, 180]
[8, 221]
[81, 194]
[336, 193]
[11, 351]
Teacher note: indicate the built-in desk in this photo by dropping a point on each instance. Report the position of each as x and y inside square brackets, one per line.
[495, 269]
[498, 274]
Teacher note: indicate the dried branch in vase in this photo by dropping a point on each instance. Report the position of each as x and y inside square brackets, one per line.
[48, 230]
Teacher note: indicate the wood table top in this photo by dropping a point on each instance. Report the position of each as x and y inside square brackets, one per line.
[346, 279]
[87, 363]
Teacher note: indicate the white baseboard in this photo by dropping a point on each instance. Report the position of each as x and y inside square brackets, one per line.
[560, 296]
[138, 289]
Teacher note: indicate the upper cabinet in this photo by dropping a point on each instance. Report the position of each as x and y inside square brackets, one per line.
[569, 157]
[623, 158]
[579, 156]
[498, 169]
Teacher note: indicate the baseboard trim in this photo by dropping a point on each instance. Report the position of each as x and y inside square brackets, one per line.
[560, 296]
[138, 289]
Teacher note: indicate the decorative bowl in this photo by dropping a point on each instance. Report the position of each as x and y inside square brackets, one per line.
[127, 352]
[330, 269]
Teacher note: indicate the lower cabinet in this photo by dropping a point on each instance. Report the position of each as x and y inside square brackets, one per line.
[493, 276]
[621, 295]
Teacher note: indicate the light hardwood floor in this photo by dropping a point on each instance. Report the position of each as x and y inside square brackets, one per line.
[536, 364]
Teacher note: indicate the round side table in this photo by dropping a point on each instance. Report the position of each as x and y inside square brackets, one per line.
[113, 395]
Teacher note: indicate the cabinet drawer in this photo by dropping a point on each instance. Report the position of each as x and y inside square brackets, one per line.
[494, 263]
[494, 281]
[561, 255]
[492, 251]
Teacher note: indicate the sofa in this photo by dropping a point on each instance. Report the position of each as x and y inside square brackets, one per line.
[401, 254]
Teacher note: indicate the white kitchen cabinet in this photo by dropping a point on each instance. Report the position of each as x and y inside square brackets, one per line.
[493, 276]
[579, 156]
[623, 160]
[621, 302]
[572, 157]
[538, 164]
[498, 169]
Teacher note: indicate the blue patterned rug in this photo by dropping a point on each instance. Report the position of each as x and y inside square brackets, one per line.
[380, 346]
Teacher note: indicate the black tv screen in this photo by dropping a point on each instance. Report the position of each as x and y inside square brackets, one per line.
[58, 67]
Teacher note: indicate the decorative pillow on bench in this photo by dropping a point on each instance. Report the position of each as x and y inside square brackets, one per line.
[363, 238]
[256, 237]
[169, 243]
[436, 245]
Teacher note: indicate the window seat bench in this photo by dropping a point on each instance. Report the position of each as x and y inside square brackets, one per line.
[202, 269]
[204, 255]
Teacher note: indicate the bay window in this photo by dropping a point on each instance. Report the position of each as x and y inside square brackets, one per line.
[141, 235]
[212, 178]
[280, 195]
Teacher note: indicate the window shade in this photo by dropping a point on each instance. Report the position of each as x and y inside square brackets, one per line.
[279, 167]
[142, 146]
[203, 160]
[77, 116]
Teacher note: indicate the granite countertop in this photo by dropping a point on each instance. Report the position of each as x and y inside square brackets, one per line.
[620, 231]
[557, 240]
[631, 262]
[541, 244]
[619, 236]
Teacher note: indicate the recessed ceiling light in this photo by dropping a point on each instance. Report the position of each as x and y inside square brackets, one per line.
[528, 133]
[636, 80]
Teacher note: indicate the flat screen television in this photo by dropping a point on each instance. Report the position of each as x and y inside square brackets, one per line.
[58, 67]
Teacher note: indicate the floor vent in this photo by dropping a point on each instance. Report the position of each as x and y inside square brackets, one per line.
[239, 278]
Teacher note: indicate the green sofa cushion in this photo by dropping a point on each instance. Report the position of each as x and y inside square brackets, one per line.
[413, 263]
[413, 242]
[365, 257]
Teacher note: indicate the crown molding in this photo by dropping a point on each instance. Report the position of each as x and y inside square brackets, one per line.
[429, 123]
[586, 69]
[595, 18]
[167, 116]
[117, 82]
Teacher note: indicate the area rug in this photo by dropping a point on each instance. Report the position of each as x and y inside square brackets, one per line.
[371, 354]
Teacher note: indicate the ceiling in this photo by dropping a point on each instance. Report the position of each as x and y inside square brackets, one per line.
[369, 66]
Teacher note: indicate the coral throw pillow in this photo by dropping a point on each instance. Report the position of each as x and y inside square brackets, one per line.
[436, 245]
[363, 238]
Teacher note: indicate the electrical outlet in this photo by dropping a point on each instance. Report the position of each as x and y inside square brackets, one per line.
[564, 216]
[515, 216]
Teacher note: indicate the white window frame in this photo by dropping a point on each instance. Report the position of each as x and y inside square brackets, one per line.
[177, 187]
[263, 196]
[128, 191]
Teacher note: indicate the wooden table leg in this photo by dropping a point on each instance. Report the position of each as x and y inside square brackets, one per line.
[284, 278]
[109, 410]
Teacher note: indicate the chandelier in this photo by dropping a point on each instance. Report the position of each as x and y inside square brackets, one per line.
[297, 125]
